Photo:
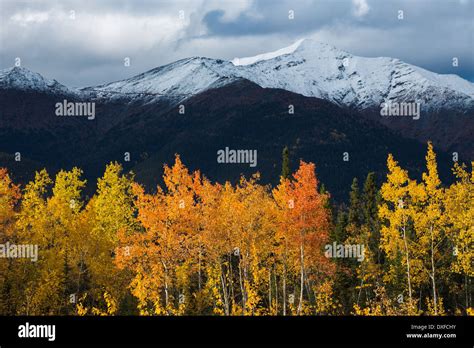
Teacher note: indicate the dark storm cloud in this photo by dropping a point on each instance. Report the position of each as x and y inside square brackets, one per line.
[265, 17]
[90, 49]
[431, 33]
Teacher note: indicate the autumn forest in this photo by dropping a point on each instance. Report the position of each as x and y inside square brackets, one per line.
[196, 247]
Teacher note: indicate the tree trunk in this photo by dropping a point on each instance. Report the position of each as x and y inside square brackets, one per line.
[435, 298]
[224, 292]
[300, 304]
[269, 291]
[230, 272]
[276, 291]
[284, 289]
[242, 290]
[246, 280]
[199, 268]
[360, 289]
[466, 287]
[407, 259]
[166, 286]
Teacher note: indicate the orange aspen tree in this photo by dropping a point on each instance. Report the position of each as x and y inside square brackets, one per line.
[306, 224]
[162, 255]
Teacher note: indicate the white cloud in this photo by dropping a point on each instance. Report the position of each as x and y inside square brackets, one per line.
[90, 49]
[28, 17]
[361, 7]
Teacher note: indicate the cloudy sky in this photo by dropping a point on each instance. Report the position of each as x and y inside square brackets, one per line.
[85, 42]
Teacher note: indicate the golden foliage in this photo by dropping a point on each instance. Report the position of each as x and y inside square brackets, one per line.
[198, 247]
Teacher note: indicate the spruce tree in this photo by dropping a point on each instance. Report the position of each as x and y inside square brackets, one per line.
[371, 199]
[285, 165]
[355, 213]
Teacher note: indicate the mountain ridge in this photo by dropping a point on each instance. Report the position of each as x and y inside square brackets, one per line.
[24, 79]
[308, 67]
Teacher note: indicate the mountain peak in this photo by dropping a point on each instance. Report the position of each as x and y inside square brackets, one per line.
[305, 47]
[24, 79]
[315, 47]
[177, 80]
[19, 72]
[268, 55]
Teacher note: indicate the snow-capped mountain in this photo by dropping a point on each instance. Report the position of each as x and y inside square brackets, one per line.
[177, 81]
[309, 68]
[242, 103]
[21, 78]
[268, 55]
[323, 71]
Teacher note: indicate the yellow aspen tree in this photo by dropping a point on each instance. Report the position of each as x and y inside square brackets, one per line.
[9, 279]
[64, 208]
[429, 220]
[396, 211]
[459, 200]
[34, 224]
[285, 202]
[51, 224]
[110, 211]
[255, 231]
[9, 196]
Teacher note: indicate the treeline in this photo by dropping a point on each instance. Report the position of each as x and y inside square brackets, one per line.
[194, 247]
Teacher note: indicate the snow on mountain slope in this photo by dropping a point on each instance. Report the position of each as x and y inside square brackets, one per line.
[320, 70]
[307, 67]
[25, 79]
[177, 80]
[267, 56]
